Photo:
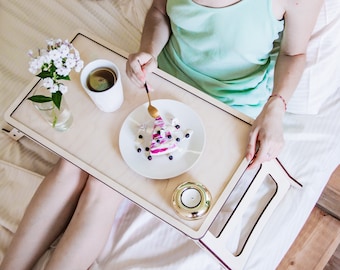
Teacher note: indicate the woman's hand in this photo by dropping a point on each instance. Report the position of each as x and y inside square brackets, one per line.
[266, 136]
[139, 65]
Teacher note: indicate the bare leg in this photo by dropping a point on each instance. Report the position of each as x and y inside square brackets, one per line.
[89, 228]
[46, 216]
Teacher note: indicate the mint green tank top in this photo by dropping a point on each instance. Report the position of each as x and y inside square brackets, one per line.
[224, 52]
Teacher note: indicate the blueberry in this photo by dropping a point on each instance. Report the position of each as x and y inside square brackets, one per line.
[139, 150]
[149, 157]
[147, 149]
[169, 136]
[178, 139]
[171, 157]
[178, 126]
[140, 136]
[187, 135]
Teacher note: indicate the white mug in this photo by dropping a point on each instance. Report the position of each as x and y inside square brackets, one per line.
[102, 82]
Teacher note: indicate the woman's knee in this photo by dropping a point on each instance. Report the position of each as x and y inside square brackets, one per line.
[69, 174]
[98, 191]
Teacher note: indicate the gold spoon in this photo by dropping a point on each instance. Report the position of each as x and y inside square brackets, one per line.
[151, 109]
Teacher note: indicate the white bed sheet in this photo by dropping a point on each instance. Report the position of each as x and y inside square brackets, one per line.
[311, 153]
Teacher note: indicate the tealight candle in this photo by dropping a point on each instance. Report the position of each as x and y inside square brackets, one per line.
[191, 197]
[191, 200]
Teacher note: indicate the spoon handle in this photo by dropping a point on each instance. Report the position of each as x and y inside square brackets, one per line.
[146, 88]
[147, 92]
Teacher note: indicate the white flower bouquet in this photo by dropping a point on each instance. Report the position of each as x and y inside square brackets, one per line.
[53, 64]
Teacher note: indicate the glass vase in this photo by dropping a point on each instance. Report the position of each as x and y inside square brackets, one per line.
[60, 119]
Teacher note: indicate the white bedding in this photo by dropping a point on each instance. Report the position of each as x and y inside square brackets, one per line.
[310, 155]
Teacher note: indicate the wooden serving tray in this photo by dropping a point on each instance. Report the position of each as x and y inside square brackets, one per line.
[92, 141]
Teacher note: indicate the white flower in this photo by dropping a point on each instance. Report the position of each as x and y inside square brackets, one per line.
[46, 59]
[48, 82]
[76, 53]
[54, 55]
[71, 56]
[79, 65]
[34, 66]
[44, 62]
[63, 71]
[54, 88]
[58, 63]
[63, 88]
[64, 50]
[40, 61]
[55, 63]
[70, 63]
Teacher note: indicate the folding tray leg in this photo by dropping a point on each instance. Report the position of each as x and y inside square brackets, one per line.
[216, 245]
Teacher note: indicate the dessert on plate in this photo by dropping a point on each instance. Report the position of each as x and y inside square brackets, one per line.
[162, 138]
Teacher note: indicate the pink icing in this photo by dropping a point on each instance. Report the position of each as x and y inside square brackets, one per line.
[161, 143]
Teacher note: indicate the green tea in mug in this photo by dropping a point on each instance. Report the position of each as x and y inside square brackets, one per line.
[101, 79]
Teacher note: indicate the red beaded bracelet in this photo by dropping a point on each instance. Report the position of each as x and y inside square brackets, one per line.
[280, 97]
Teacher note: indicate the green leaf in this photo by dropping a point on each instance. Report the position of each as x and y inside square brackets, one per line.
[45, 74]
[65, 77]
[56, 98]
[40, 99]
[52, 68]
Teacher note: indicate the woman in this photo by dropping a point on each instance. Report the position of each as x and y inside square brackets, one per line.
[221, 47]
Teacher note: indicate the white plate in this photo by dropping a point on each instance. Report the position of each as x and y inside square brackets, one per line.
[161, 167]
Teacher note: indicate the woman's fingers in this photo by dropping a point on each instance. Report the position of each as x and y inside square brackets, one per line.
[263, 146]
[134, 70]
[139, 65]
